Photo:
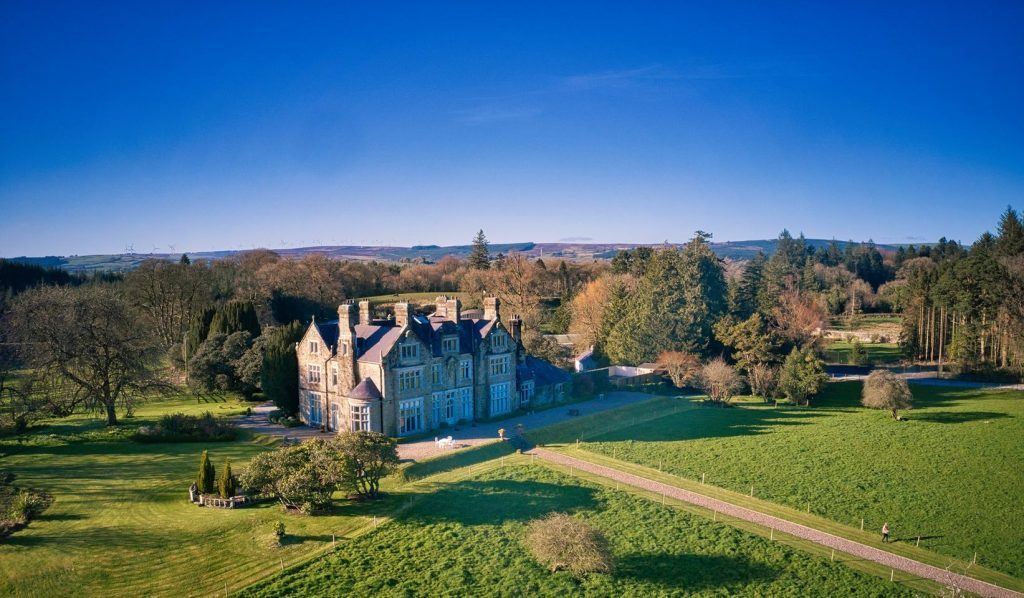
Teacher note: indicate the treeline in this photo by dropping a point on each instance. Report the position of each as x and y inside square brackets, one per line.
[102, 343]
[967, 305]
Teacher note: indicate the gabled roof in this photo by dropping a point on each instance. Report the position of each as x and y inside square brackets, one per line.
[328, 331]
[544, 373]
[376, 339]
[365, 390]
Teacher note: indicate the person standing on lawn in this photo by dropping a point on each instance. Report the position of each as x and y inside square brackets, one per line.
[885, 532]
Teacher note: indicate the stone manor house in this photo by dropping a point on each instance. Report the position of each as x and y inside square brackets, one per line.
[411, 373]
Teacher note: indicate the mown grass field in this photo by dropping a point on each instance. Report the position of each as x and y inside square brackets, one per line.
[874, 353]
[121, 524]
[466, 539]
[953, 473]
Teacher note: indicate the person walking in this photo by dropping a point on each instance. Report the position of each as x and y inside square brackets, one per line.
[885, 532]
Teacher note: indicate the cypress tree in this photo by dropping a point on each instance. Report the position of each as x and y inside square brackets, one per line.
[207, 475]
[1011, 234]
[279, 377]
[236, 316]
[745, 299]
[226, 481]
[198, 330]
[479, 257]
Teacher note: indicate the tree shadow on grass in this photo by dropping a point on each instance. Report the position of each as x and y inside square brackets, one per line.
[295, 540]
[494, 502]
[711, 422]
[956, 417]
[691, 572]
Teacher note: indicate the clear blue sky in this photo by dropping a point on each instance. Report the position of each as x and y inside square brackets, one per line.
[210, 126]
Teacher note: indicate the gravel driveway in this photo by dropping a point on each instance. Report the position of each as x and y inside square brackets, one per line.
[466, 435]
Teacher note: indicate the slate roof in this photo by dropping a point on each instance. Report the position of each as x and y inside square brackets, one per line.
[376, 340]
[365, 390]
[544, 373]
[329, 332]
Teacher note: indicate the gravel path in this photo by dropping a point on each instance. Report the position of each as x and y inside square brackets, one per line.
[482, 433]
[857, 549]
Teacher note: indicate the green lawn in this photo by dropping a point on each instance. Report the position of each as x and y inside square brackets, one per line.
[953, 473]
[121, 524]
[466, 539]
[839, 352]
[867, 321]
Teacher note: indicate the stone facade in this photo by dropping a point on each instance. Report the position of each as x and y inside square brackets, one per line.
[413, 373]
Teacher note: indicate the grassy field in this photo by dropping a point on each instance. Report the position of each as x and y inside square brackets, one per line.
[953, 473]
[839, 352]
[121, 523]
[466, 539]
[867, 322]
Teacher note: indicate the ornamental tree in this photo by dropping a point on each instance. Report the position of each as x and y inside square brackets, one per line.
[885, 390]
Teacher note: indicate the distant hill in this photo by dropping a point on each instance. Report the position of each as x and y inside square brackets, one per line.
[736, 250]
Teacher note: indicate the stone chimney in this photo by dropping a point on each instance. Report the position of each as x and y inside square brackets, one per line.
[346, 317]
[453, 310]
[491, 308]
[516, 327]
[441, 306]
[401, 314]
[364, 313]
[347, 335]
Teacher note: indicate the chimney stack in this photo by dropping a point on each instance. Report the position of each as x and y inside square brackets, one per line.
[441, 306]
[517, 329]
[491, 308]
[453, 310]
[346, 317]
[401, 314]
[364, 313]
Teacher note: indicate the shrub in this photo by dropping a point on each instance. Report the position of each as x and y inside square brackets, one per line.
[720, 380]
[178, 427]
[802, 376]
[857, 353]
[303, 476]
[205, 479]
[562, 542]
[885, 390]
[226, 481]
[276, 534]
[279, 417]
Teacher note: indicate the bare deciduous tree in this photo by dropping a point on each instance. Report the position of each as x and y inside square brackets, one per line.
[89, 339]
[764, 380]
[683, 368]
[885, 390]
[720, 380]
[799, 317]
[562, 542]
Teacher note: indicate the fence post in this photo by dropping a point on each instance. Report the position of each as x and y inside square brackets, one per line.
[833, 557]
[751, 491]
[918, 542]
[702, 477]
[771, 535]
[892, 574]
[861, 524]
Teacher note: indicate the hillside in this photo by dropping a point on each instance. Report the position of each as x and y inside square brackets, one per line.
[736, 250]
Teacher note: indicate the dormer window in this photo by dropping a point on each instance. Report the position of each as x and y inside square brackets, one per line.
[314, 347]
[499, 341]
[410, 351]
[450, 344]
